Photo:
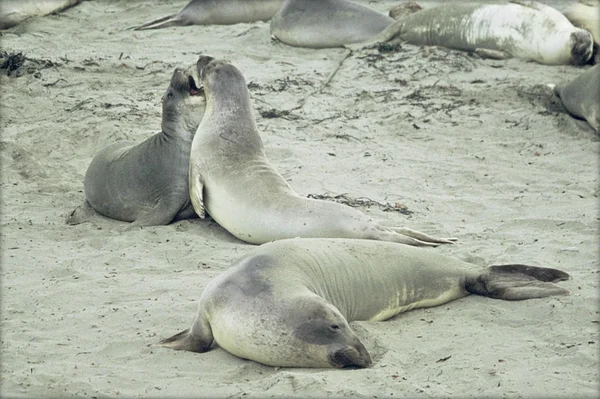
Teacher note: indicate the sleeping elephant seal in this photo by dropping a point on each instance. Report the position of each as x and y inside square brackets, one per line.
[326, 23]
[232, 179]
[13, 12]
[581, 96]
[288, 303]
[222, 12]
[585, 14]
[147, 183]
[521, 29]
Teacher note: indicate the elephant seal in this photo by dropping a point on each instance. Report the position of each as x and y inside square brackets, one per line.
[222, 12]
[585, 14]
[581, 96]
[13, 12]
[521, 29]
[147, 183]
[326, 23]
[288, 303]
[232, 179]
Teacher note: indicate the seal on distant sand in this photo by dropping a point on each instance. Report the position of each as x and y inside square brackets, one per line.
[222, 12]
[326, 23]
[13, 12]
[581, 96]
[585, 14]
[288, 303]
[522, 29]
[147, 183]
[232, 179]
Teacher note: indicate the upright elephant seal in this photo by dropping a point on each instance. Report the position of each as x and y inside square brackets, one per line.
[232, 179]
[147, 183]
[581, 96]
[288, 303]
[13, 12]
[326, 23]
[222, 12]
[521, 29]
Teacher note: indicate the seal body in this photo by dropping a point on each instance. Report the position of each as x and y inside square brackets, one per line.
[521, 29]
[147, 183]
[13, 12]
[222, 12]
[326, 23]
[232, 179]
[581, 96]
[288, 303]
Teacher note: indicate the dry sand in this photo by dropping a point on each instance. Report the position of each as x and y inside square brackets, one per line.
[472, 148]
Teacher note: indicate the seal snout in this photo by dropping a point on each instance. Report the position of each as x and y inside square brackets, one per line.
[183, 81]
[582, 47]
[350, 356]
[202, 63]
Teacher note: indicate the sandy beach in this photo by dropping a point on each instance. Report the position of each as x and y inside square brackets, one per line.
[436, 140]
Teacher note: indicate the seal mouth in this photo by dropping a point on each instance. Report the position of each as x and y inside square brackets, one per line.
[195, 90]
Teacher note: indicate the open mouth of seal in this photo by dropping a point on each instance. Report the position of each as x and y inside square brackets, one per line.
[195, 90]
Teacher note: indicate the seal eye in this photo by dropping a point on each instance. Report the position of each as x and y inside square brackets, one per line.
[169, 94]
[334, 327]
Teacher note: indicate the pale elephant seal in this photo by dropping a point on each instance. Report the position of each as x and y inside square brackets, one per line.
[326, 23]
[288, 303]
[581, 96]
[521, 29]
[147, 183]
[13, 12]
[221, 12]
[585, 14]
[232, 179]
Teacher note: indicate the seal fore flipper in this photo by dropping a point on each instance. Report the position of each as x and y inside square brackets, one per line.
[162, 22]
[196, 188]
[517, 282]
[187, 342]
[422, 236]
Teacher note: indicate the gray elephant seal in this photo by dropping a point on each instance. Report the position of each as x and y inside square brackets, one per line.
[232, 179]
[222, 12]
[521, 29]
[326, 23]
[13, 12]
[147, 183]
[581, 96]
[288, 303]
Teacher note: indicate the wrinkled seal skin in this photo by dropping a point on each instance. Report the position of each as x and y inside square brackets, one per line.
[581, 96]
[288, 303]
[232, 179]
[521, 29]
[213, 12]
[13, 12]
[147, 183]
[326, 23]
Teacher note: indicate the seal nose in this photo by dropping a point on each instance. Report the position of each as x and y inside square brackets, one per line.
[351, 356]
[203, 61]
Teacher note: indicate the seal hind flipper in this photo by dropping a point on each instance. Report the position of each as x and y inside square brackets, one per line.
[422, 236]
[162, 22]
[492, 54]
[517, 282]
[184, 340]
[196, 187]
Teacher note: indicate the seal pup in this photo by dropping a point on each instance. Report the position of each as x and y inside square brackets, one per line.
[288, 303]
[520, 29]
[232, 179]
[147, 183]
[581, 96]
[222, 12]
[585, 14]
[326, 23]
[13, 12]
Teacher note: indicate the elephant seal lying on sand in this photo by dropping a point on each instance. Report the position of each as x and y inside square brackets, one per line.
[288, 303]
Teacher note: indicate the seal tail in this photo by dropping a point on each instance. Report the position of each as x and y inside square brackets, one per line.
[186, 341]
[517, 282]
[162, 22]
